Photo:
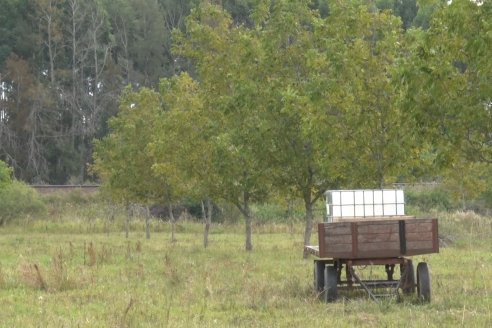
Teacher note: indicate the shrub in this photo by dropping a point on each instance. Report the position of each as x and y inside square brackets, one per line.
[18, 200]
[427, 200]
[5, 175]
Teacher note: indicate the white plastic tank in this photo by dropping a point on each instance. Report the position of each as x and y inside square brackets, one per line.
[364, 203]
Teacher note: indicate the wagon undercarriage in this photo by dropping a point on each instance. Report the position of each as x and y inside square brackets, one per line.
[334, 275]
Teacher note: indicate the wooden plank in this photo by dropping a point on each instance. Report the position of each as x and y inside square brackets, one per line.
[346, 248]
[338, 255]
[338, 229]
[419, 226]
[355, 243]
[341, 239]
[378, 237]
[311, 249]
[418, 236]
[378, 254]
[377, 227]
[379, 246]
[435, 236]
[424, 244]
[321, 240]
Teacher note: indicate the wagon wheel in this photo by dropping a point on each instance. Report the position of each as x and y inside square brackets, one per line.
[331, 282]
[423, 283]
[319, 276]
[407, 278]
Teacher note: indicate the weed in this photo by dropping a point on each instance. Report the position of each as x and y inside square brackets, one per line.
[128, 251]
[104, 255]
[91, 252]
[31, 275]
[2, 278]
[124, 318]
[59, 276]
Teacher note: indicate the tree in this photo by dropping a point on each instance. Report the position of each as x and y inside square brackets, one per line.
[121, 159]
[182, 147]
[452, 84]
[224, 55]
[336, 99]
[293, 94]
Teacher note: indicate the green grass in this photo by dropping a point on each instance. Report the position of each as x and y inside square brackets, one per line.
[91, 276]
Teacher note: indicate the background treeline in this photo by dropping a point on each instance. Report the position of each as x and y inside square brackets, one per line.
[64, 63]
[248, 101]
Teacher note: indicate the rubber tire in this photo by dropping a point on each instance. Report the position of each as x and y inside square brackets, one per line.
[331, 284]
[408, 284]
[319, 276]
[423, 283]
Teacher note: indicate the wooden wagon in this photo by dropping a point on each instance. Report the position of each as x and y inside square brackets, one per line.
[347, 242]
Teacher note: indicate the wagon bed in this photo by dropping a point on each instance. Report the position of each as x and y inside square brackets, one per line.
[360, 239]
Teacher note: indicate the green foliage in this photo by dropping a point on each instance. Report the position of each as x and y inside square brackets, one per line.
[5, 175]
[450, 80]
[275, 213]
[18, 201]
[121, 159]
[426, 200]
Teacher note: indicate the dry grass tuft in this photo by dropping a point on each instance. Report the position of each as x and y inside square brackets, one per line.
[2, 278]
[124, 322]
[91, 252]
[128, 251]
[31, 275]
[58, 271]
[105, 254]
[58, 276]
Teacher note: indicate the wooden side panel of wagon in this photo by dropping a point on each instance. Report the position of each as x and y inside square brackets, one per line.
[378, 239]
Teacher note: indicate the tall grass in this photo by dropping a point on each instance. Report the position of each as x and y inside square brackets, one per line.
[69, 271]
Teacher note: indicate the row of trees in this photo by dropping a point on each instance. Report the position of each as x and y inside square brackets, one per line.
[64, 64]
[294, 101]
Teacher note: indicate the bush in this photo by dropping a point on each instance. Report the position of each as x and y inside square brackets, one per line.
[18, 200]
[426, 200]
[5, 175]
[275, 213]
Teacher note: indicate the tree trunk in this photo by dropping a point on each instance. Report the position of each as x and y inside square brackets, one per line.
[173, 224]
[147, 222]
[308, 205]
[207, 219]
[248, 221]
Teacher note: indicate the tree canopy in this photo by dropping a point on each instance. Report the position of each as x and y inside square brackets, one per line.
[238, 100]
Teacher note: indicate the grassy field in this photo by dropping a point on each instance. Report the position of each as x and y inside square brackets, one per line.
[75, 273]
